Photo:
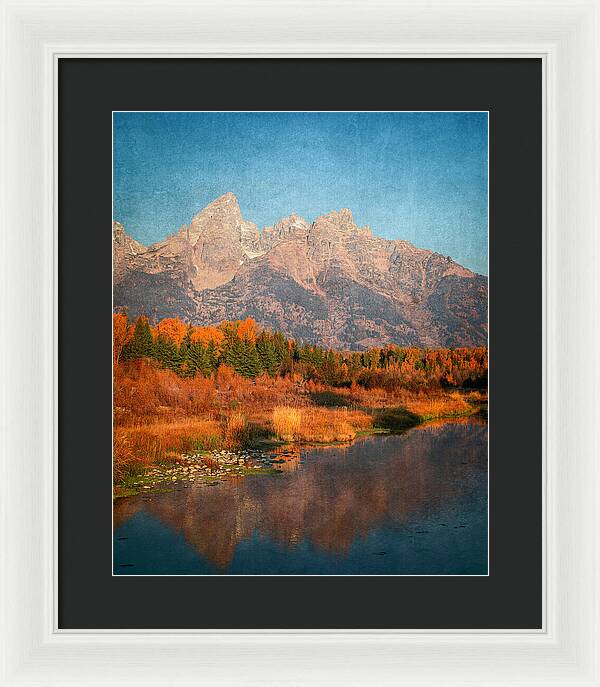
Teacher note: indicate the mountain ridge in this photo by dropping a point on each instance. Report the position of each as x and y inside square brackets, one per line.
[328, 281]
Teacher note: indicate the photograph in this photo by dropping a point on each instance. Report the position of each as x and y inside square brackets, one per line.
[300, 343]
[347, 360]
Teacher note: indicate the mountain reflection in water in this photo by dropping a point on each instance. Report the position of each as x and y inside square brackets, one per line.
[414, 503]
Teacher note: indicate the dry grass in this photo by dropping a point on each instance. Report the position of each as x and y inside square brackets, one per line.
[124, 457]
[158, 415]
[319, 424]
[431, 407]
[144, 393]
[236, 430]
[476, 396]
[286, 422]
[325, 425]
[141, 445]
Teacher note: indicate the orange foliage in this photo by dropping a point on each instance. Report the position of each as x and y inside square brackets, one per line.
[122, 333]
[248, 330]
[171, 328]
[143, 392]
[159, 414]
[206, 335]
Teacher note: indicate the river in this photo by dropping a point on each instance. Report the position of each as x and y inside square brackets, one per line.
[398, 504]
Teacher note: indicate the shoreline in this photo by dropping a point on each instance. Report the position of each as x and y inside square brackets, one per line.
[213, 467]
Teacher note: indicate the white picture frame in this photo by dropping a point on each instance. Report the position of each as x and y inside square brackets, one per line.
[565, 34]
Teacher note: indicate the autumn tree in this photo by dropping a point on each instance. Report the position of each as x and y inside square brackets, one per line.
[121, 334]
[243, 348]
[331, 369]
[207, 335]
[171, 328]
[247, 330]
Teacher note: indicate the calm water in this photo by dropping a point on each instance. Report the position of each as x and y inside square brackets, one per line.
[400, 504]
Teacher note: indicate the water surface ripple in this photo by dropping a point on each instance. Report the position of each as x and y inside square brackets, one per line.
[410, 504]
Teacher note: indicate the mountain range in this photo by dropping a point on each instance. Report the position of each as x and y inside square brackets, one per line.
[327, 281]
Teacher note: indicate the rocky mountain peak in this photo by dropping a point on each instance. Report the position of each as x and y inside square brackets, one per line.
[220, 240]
[223, 214]
[343, 217]
[125, 249]
[329, 281]
[335, 223]
[282, 230]
[121, 239]
[227, 202]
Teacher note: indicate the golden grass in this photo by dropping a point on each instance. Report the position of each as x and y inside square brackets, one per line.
[147, 442]
[314, 424]
[236, 428]
[158, 415]
[430, 407]
[286, 422]
[141, 445]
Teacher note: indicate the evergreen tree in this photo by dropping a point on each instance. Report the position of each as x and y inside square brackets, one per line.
[355, 364]
[212, 354]
[167, 353]
[294, 351]
[250, 366]
[141, 345]
[198, 359]
[185, 344]
[281, 347]
[186, 370]
[268, 354]
[233, 351]
[227, 355]
[330, 369]
[371, 358]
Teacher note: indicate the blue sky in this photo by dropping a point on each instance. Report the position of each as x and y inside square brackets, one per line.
[421, 177]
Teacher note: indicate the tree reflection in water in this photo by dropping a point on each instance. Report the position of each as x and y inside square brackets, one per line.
[330, 499]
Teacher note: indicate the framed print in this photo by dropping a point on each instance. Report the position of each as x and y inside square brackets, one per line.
[320, 408]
